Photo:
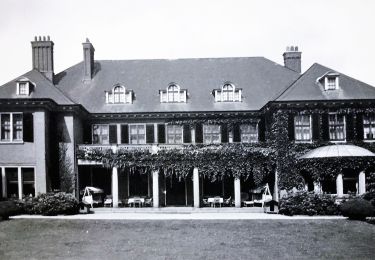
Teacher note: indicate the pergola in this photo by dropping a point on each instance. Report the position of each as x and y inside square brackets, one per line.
[340, 151]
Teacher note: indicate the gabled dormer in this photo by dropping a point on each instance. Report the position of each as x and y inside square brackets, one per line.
[228, 93]
[119, 95]
[24, 87]
[329, 81]
[173, 94]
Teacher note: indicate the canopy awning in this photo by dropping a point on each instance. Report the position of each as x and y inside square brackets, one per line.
[337, 150]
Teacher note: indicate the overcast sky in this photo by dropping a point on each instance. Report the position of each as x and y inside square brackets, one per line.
[336, 33]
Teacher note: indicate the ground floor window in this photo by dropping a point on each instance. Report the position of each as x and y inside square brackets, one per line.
[329, 186]
[28, 181]
[350, 181]
[12, 182]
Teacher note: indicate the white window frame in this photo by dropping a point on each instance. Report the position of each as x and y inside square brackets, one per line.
[130, 134]
[205, 134]
[344, 127]
[328, 85]
[370, 125]
[19, 179]
[178, 96]
[222, 95]
[23, 82]
[124, 96]
[249, 134]
[100, 139]
[11, 139]
[174, 134]
[302, 126]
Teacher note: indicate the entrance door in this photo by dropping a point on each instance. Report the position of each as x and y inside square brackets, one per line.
[178, 191]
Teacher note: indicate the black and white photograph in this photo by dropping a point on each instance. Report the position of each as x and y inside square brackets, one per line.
[187, 129]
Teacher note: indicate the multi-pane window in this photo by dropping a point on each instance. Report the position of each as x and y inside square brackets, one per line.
[22, 88]
[249, 133]
[11, 127]
[336, 127]
[137, 134]
[228, 93]
[173, 94]
[331, 83]
[369, 127]
[119, 94]
[100, 134]
[211, 134]
[302, 127]
[174, 134]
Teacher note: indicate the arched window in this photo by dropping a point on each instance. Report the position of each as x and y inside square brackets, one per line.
[173, 93]
[119, 94]
[227, 92]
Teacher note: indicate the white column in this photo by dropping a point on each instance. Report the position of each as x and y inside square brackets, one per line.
[196, 188]
[339, 186]
[237, 192]
[4, 182]
[155, 133]
[118, 133]
[20, 182]
[193, 135]
[361, 183]
[155, 189]
[115, 187]
[317, 187]
[276, 188]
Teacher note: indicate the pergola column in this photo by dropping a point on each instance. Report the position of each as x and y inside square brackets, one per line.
[4, 182]
[361, 183]
[317, 187]
[237, 192]
[339, 185]
[155, 189]
[276, 188]
[20, 182]
[115, 187]
[196, 187]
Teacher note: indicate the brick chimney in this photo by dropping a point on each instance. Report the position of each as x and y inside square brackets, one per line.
[88, 60]
[292, 58]
[42, 49]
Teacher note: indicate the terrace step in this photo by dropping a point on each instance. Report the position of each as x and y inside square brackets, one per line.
[180, 210]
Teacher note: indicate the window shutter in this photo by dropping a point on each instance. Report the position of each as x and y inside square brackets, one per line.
[28, 127]
[124, 134]
[224, 133]
[262, 129]
[112, 134]
[291, 127]
[325, 127]
[236, 133]
[359, 127]
[199, 133]
[349, 127]
[315, 126]
[161, 133]
[187, 134]
[149, 133]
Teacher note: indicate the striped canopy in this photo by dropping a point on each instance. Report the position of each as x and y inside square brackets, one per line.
[337, 150]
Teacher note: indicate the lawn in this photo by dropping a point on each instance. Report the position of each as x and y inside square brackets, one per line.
[186, 239]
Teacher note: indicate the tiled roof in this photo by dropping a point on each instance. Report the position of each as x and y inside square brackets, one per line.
[307, 87]
[43, 89]
[258, 77]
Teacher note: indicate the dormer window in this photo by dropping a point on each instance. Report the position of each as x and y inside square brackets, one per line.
[228, 93]
[329, 81]
[24, 87]
[173, 94]
[119, 95]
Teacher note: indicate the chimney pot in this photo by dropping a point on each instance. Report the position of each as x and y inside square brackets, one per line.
[48, 38]
[292, 58]
[42, 56]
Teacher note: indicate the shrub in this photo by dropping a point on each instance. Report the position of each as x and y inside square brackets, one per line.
[8, 208]
[308, 203]
[357, 209]
[370, 196]
[51, 204]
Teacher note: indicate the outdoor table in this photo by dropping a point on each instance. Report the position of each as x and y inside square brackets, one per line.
[215, 200]
[136, 200]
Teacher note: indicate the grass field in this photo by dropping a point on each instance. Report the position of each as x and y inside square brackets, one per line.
[186, 239]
